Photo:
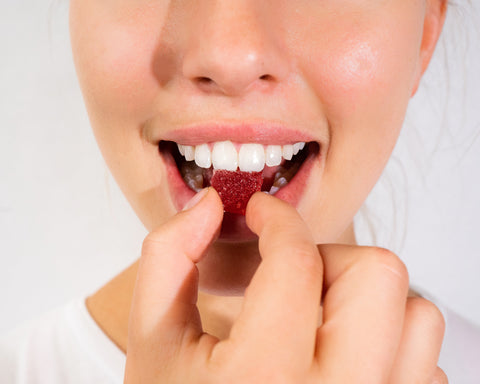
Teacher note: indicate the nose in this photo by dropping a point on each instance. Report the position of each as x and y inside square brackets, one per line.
[231, 49]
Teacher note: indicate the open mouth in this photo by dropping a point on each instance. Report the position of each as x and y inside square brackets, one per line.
[237, 171]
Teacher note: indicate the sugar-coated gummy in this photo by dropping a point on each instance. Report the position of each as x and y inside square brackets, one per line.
[236, 188]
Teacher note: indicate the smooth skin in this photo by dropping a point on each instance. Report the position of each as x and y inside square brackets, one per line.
[341, 71]
[370, 332]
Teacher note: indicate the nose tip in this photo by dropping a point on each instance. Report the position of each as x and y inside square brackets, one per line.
[233, 52]
[233, 74]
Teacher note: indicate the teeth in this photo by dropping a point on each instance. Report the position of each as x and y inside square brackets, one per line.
[280, 181]
[288, 152]
[181, 149]
[224, 156]
[273, 190]
[189, 152]
[251, 157]
[192, 175]
[203, 157]
[273, 155]
[296, 148]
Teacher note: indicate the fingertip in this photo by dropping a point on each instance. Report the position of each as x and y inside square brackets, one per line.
[253, 201]
[199, 222]
[215, 201]
[195, 200]
[203, 223]
[263, 206]
[211, 211]
[207, 201]
[254, 209]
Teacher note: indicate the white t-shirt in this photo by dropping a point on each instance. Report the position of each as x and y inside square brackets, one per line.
[66, 346]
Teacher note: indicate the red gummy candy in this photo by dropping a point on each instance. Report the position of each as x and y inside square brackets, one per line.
[236, 188]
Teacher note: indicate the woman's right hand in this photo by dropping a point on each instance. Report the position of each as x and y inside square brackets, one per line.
[370, 331]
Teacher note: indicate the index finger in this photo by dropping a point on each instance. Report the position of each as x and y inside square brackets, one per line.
[164, 300]
[281, 305]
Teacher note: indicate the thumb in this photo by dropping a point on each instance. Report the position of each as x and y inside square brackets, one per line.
[165, 295]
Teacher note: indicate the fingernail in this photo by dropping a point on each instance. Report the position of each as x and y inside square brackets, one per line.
[195, 199]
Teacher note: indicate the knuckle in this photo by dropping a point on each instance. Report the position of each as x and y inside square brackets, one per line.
[282, 228]
[384, 260]
[153, 241]
[427, 312]
[440, 376]
[307, 259]
[307, 263]
[303, 258]
[294, 246]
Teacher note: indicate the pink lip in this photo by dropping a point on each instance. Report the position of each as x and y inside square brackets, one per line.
[261, 133]
[234, 228]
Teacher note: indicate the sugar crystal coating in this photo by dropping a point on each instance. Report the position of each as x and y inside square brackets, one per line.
[236, 188]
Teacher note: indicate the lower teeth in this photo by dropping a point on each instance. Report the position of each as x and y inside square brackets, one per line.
[198, 178]
[192, 174]
[279, 182]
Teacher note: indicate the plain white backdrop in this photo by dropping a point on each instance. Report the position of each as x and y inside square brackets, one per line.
[65, 228]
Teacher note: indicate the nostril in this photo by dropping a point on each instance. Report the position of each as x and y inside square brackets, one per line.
[204, 83]
[210, 84]
[266, 77]
[207, 80]
[204, 80]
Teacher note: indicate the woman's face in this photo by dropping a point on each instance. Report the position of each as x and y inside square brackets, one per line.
[338, 73]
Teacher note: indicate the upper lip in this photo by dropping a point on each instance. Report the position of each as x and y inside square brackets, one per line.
[266, 133]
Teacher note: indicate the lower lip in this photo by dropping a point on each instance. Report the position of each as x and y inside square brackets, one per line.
[234, 227]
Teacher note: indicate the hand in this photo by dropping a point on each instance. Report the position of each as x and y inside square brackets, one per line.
[370, 333]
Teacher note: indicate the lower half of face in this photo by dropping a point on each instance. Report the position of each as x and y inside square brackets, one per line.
[310, 94]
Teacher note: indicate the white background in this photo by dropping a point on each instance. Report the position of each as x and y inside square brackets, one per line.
[65, 229]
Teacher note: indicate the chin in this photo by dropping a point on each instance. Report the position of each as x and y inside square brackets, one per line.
[228, 268]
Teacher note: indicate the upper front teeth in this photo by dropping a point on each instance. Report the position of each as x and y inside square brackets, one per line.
[251, 157]
[224, 156]
[273, 155]
[203, 156]
[189, 153]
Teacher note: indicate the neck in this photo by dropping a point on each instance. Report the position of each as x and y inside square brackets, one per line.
[110, 305]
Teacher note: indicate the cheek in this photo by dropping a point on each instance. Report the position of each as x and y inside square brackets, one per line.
[365, 90]
[365, 73]
[363, 79]
[359, 58]
[120, 72]
[352, 71]
[113, 53]
[113, 58]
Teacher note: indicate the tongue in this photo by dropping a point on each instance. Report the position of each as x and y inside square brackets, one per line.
[236, 188]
